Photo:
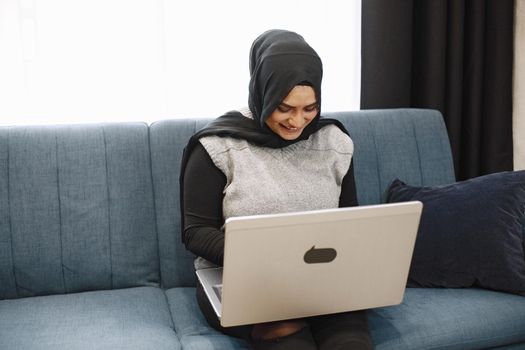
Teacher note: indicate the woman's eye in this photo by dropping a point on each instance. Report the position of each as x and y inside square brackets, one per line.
[283, 109]
[311, 109]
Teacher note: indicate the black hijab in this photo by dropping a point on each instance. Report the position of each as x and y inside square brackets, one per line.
[279, 60]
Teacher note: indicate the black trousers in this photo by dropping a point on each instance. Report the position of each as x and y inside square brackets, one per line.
[326, 330]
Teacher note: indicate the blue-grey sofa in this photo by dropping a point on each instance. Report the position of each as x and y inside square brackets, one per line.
[91, 256]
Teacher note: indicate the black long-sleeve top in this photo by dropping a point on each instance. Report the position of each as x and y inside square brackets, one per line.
[202, 205]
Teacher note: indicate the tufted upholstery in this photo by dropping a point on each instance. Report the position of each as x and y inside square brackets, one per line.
[76, 209]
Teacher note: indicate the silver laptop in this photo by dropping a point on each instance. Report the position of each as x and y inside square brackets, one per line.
[294, 265]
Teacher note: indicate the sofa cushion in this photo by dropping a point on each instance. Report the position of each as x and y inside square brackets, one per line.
[427, 319]
[137, 318]
[431, 318]
[471, 232]
[76, 209]
[192, 327]
[167, 141]
[411, 144]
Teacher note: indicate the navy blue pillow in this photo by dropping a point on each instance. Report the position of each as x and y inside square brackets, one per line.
[471, 233]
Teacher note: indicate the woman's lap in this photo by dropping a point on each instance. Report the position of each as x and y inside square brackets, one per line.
[329, 331]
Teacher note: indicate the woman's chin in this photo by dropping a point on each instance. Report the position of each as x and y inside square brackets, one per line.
[289, 136]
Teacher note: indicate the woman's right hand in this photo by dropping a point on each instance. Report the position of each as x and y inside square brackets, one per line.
[276, 330]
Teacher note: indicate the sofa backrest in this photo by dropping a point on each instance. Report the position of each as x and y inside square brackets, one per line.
[410, 144]
[76, 209]
[87, 207]
[168, 139]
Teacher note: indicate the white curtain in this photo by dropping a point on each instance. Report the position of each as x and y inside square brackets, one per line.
[519, 87]
[64, 61]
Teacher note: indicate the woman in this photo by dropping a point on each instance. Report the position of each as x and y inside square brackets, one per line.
[278, 155]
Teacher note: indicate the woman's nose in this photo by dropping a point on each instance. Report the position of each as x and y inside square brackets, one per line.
[297, 120]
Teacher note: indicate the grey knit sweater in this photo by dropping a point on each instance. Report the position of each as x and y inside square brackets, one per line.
[306, 175]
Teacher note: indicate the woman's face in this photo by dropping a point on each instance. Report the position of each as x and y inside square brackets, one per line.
[294, 113]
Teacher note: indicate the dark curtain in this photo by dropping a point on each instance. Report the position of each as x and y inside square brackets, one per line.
[455, 56]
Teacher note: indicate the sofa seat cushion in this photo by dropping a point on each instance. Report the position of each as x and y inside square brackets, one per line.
[136, 318]
[191, 326]
[427, 319]
[431, 318]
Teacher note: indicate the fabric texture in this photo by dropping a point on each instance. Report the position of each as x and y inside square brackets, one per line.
[411, 144]
[126, 319]
[306, 175]
[77, 209]
[167, 141]
[452, 319]
[191, 326]
[455, 56]
[470, 234]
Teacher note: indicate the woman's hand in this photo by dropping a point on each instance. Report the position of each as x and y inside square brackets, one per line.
[275, 330]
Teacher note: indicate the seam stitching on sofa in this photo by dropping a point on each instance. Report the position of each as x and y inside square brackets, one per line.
[380, 195]
[109, 207]
[60, 215]
[157, 235]
[9, 213]
[444, 140]
[171, 315]
[414, 132]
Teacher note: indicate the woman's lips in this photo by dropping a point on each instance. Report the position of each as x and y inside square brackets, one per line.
[289, 128]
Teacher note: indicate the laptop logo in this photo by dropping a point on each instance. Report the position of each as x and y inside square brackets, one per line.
[319, 255]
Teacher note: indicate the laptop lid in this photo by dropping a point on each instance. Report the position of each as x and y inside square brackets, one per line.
[294, 265]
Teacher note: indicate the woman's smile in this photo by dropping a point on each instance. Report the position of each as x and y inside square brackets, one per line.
[289, 128]
[294, 113]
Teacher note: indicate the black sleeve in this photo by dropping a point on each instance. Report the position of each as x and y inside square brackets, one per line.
[348, 197]
[202, 206]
